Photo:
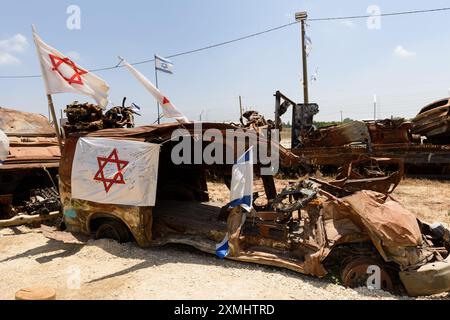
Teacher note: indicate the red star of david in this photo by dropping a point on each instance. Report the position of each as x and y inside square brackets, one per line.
[118, 177]
[165, 101]
[78, 72]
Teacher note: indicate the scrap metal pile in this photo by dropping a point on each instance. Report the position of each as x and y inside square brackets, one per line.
[90, 117]
[42, 201]
[423, 144]
[83, 117]
[255, 120]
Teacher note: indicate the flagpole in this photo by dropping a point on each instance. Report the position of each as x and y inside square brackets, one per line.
[51, 106]
[156, 82]
[55, 120]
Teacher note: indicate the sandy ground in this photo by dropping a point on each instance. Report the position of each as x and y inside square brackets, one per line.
[104, 269]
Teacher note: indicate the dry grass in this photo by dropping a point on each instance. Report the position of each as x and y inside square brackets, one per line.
[428, 199]
[286, 134]
[285, 137]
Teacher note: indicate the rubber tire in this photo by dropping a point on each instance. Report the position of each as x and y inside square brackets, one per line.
[113, 229]
[387, 284]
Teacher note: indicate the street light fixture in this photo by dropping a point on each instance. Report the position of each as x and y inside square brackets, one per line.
[299, 16]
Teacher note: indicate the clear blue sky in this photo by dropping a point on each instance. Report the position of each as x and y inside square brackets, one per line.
[406, 62]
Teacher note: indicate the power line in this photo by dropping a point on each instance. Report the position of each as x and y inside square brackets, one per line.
[173, 55]
[250, 36]
[381, 15]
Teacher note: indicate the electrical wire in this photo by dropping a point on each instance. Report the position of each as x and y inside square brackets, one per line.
[381, 15]
[219, 44]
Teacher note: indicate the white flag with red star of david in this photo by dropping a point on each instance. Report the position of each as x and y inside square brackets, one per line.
[115, 171]
[169, 110]
[61, 74]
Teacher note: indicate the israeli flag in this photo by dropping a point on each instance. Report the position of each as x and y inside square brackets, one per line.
[242, 182]
[163, 64]
[308, 45]
[241, 193]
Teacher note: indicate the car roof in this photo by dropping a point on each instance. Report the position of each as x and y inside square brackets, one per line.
[19, 123]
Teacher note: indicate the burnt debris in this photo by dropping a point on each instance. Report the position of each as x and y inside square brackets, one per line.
[87, 117]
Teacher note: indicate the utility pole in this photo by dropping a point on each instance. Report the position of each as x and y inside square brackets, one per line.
[374, 107]
[301, 17]
[342, 118]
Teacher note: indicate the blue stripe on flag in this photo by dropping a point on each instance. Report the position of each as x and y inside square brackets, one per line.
[245, 157]
[222, 248]
[163, 59]
[244, 200]
[164, 70]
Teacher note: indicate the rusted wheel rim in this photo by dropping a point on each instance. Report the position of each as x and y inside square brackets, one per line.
[108, 232]
[355, 274]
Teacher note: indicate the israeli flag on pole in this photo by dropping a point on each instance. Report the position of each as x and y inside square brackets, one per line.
[308, 45]
[241, 193]
[163, 64]
[242, 182]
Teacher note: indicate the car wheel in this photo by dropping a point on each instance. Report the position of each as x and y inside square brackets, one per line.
[355, 274]
[112, 229]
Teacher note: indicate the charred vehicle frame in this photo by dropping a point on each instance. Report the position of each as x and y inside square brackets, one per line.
[309, 227]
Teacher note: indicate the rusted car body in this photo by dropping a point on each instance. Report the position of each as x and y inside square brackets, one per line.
[433, 122]
[365, 173]
[355, 131]
[309, 227]
[380, 132]
[31, 169]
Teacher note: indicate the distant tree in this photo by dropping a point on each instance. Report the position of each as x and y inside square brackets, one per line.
[320, 124]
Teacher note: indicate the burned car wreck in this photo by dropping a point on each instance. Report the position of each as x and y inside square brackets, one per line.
[28, 176]
[310, 226]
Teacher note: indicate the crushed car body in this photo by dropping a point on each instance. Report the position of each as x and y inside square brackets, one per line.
[365, 173]
[309, 226]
